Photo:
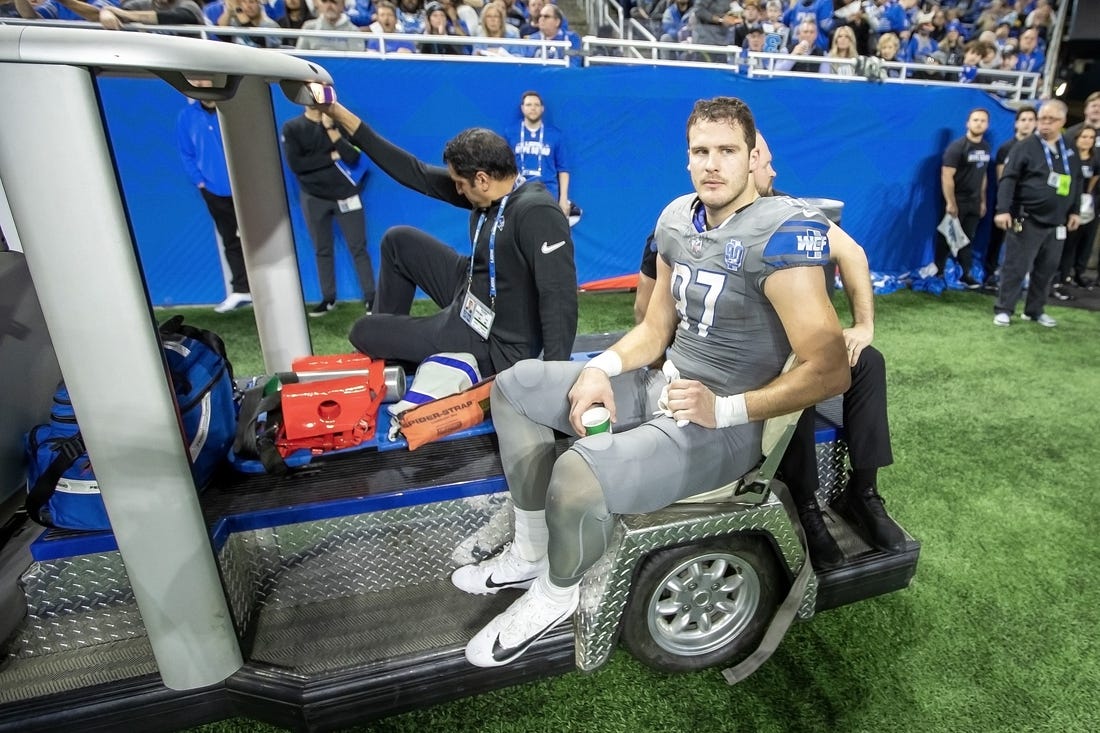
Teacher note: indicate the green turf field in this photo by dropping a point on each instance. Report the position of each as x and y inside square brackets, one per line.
[997, 472]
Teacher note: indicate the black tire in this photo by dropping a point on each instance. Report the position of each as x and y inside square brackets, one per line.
[673, 627]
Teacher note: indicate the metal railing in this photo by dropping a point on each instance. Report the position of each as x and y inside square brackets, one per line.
[599, 13]
[1011, 85]
[515, 46]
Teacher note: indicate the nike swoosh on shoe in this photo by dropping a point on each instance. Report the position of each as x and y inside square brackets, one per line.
[490, 583]
[504, 655]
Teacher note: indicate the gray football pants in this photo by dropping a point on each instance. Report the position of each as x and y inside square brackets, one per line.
[650, 464]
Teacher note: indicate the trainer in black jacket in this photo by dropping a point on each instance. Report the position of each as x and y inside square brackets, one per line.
[1037, 201]
[535, 304]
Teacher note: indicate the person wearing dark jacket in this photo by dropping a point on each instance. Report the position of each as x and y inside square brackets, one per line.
[327, 167]
[512, 298]
[1037, 202]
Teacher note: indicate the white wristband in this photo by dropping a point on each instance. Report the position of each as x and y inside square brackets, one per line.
[608, 362]
[730, 411]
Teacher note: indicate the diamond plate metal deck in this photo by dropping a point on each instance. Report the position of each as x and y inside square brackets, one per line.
[329, 594]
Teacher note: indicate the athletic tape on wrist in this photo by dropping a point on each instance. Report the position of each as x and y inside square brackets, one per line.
[608, 362]
[730, 411]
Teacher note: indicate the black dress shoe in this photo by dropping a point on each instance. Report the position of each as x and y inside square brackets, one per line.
[824, 551]
[866, 511]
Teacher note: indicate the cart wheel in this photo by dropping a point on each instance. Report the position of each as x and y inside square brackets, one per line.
[702, 605]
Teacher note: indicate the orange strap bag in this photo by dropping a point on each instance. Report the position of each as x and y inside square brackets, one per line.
[438, 418]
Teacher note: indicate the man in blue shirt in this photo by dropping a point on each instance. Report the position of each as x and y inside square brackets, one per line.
[921, 45]
[540, 149]
[199, 140]
[1029, 57]
[550, 29]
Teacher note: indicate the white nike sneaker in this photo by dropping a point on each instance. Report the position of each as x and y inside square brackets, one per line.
[488, 540]
[506, 570]
[233, 301]
[526, 621]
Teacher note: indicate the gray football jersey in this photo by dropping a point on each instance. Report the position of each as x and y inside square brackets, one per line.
[729, 337]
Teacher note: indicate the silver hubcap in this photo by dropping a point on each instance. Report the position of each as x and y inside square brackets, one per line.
[703, 603]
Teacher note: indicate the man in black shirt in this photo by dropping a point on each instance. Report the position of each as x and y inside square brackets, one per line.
[1024, 128]
[331, 178]
[514, 297]
[1037, 202]
[963, 177]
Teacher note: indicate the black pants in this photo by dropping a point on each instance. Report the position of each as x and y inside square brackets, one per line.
[866, 429]
[319, 214]
[225, 220]
[1034, 250]
[410, 259]
[969, 218]
[1077, 251]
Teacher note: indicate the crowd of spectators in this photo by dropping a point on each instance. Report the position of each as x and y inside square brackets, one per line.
[443, 20]
[1002, 35]
[978, 36]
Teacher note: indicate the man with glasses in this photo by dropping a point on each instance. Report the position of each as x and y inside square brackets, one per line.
[1037, 201]
[550, 29]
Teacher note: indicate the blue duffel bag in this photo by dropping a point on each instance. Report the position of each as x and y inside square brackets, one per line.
[61, 487]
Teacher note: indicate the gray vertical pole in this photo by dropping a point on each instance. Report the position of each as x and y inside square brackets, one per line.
[65, 200]
[259, 195]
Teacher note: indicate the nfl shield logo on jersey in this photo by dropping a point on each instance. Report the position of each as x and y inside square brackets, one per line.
[735, 255]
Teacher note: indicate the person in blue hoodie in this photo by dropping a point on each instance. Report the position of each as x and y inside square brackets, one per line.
[199, 140]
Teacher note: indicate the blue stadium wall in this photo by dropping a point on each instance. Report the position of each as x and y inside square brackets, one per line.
[875, 147]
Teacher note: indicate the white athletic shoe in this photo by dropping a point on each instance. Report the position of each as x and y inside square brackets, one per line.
[506, 570]
[526, 621]
[488, 540]
[1042, 319]
[233, 301]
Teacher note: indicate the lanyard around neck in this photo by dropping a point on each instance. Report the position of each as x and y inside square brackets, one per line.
[498, 223]
[1061, 150]
[523, 130]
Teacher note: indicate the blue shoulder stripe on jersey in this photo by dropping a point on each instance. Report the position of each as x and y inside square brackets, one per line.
[802, 224]
[798, 242]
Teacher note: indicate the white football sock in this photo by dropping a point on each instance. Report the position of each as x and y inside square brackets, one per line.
[532, 535]
[556, 594]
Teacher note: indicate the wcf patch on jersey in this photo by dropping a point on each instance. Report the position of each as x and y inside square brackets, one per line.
[735, 255]
[813, 244]
[798, 242]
